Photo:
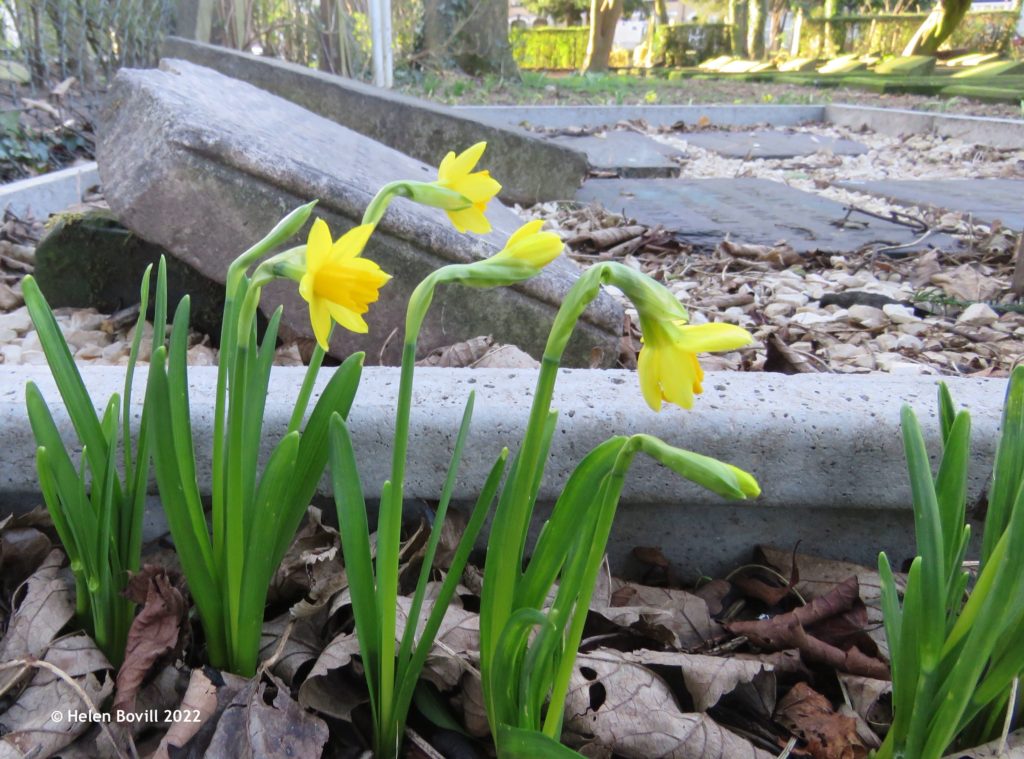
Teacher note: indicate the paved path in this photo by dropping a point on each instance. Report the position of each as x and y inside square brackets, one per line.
[772, 144]
[987, 200]
[625, 153]
[704, 211]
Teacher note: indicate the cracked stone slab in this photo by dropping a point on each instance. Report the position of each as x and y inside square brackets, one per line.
[772, 144]
[627, 153]
[987, 200]
[204, 165]
[703, 212]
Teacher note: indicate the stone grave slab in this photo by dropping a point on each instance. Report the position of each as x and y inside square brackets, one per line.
[704, 211]
[418, 128]
[628, 154]
[772, 144]
[204, 165]
[985, 199]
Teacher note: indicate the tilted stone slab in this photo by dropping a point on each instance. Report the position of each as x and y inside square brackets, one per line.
[530, 170]
[628, 154]
[772, 144]
[826, 448]
[205, 165]
[986, 200]
[704, 211]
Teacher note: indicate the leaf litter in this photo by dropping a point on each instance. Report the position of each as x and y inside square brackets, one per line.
[780, 651]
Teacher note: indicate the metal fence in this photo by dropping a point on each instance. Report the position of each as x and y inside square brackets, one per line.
[43, 42]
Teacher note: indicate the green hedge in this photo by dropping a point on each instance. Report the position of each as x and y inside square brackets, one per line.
[565, 48]
[689, 44]
[549, 47]
[883, 34]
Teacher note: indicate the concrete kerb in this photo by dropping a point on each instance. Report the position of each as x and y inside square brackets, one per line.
[826, 449]
[590, 116]
[1005, 134]
[49, 193]
[1002, 134]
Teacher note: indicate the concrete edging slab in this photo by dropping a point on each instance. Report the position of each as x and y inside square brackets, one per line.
[1002, 134]
[49, 193]
[826, 448]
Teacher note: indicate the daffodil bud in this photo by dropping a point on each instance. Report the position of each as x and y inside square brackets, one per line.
[717, 476]
[525, 254]
[434, 195]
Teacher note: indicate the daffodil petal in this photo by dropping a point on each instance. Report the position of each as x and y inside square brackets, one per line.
[529, 228]
[538, 250]
[471, 219]
[444, 170]
[677, 379]
[306, 287]
[715, 336]
[478, 187]
[320, 319]
[318, 245]
[348, 319]
[647, 369]
[351, 244]
[465, 161]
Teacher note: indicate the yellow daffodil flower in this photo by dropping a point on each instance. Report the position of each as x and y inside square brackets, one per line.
[668, 365]
[530, 247]
[477, 187]
[337, 283]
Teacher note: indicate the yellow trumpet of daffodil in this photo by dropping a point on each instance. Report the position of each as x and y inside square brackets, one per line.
[337, 283]
[456, 174]
[668, 365]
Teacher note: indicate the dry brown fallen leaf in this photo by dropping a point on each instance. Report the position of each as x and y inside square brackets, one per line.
[871, 698]
[629, 708]
[250, 728]
[331, 688]
[29, 730]
[209, 692]
[311, 571]
[154, 633]
[481, 353]
[673, 617]
[47, 604]
[709, 678]
[22, 550]
[818, 576]
[292, 643]
[829, 735]
[779, 256]
[456, 643]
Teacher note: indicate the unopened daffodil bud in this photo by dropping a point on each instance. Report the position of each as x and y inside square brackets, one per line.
[525, 254]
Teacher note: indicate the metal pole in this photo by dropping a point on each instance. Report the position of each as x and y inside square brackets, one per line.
[386, 37]
[376, 37]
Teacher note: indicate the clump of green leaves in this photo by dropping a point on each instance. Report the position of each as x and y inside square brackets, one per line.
[96, 510]
[955, 664]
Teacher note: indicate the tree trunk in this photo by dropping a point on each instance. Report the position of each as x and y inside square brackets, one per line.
[661, 11]
[604, 17]
[473, 34]
[736, 17]
[828, 43]
[941, 22]
[755, 29]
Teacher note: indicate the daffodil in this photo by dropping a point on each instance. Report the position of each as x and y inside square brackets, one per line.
[668, 365]
[477, 187]
[337, 283]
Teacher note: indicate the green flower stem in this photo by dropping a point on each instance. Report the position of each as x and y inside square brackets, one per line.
[502, 569]
[375, 211]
